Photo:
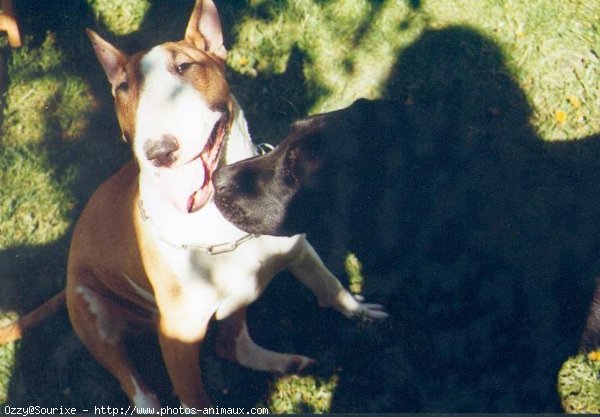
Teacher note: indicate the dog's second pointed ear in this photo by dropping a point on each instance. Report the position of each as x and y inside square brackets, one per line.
[112, 59]
[204, 29]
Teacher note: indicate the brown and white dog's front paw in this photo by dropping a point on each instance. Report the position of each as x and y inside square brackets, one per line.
[234, 343]
[279, 363]
[294, 364]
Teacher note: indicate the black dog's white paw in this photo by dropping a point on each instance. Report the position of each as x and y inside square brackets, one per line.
[370, 312]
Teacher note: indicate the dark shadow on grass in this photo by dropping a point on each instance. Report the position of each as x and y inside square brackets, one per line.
[491, 270]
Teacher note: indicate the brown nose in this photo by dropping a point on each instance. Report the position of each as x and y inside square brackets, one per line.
[162, 151]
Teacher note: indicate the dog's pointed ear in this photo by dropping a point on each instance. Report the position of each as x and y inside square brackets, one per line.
[112, 59]
[204, 29]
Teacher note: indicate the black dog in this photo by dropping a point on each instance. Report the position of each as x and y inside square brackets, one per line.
[448, 222]
[335, 176]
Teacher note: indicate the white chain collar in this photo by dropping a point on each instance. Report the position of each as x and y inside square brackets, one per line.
[209, 249]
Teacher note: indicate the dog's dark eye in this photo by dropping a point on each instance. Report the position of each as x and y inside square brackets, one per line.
[181, 68]
[123, 87]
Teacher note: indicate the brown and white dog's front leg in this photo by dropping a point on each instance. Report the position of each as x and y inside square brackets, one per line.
[309, 269]
[181, 333]
[234, 343]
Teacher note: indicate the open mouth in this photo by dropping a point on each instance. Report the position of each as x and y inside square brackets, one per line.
[209, 158]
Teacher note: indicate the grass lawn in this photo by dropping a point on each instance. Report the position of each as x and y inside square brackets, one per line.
[496, 254]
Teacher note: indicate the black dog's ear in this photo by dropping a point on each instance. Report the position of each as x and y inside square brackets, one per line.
[305, 160]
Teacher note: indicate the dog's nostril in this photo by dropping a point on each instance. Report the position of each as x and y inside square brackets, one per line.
[162, 151]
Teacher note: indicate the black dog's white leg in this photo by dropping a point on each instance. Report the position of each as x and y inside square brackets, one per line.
[309, 269]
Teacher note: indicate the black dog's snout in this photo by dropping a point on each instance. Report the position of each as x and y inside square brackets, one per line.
[162, 151]
[237, 179]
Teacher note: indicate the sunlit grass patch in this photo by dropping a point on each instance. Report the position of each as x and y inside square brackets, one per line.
[44, 106]
[551, 49]
[556, 59]
[7, 356]
[295, 394]
[43, 103]
[579, 384]
[55, 103]
[34, 206]
[353, 269]
[349, 47]
[121, 18]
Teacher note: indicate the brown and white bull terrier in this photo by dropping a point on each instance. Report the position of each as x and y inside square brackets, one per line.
[151, 249]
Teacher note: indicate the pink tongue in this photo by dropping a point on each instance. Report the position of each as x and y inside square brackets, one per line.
[180, 183]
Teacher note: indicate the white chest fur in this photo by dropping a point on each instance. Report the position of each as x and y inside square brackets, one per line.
[228, 279]
[231, 279]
